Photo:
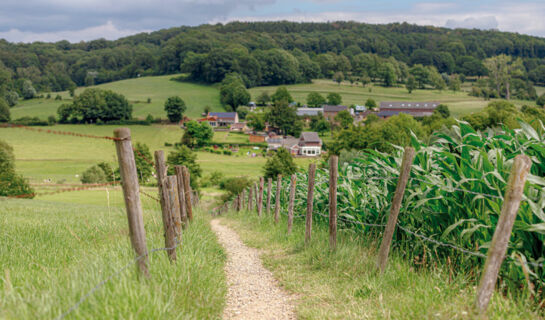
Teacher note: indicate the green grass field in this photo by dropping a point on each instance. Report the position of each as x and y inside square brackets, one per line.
[42, 156]
[344, 284]
[54, 251]
[137, 91]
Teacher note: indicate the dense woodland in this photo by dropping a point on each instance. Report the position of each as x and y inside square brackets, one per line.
[269, 53]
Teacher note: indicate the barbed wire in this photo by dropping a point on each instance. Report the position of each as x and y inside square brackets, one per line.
[149, 195]
[115, 275]
[59, 132]
[83, 187]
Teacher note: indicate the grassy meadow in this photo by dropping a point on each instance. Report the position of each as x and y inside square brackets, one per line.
[344, 284]
[57, 248]
[137, 91]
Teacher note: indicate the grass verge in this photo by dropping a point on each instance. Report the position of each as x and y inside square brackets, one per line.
[345, 285]
[53, 253]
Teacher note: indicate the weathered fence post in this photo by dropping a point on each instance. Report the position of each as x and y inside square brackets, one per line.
[404, 173]
[131, 193]
[269, 189]
[181, 194]
[292, 202]
[333, 174]
[187, 190]
[250, 199]
[500, 240]
[310, 199]
[260, 198]
[277, 205]
[166, 209]
[175, 219]
[256, 195]
[243, 199]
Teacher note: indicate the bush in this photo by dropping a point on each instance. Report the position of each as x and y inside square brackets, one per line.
[51, 120]
[94, 174]
[5, 114]
[168, 144]
[541, 100]
[183, 156]
[58, 97]
[280, 163]
[11, 184]
[31, 121]
[234, 186]
[227, 152]
[12, 98]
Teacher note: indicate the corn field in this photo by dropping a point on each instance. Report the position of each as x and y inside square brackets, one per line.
[454, 195]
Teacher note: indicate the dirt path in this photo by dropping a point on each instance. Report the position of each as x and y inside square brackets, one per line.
[253, 291]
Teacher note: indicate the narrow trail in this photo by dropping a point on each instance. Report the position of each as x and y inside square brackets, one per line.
[253, 292]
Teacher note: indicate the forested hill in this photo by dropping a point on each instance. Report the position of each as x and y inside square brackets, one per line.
[267, 53]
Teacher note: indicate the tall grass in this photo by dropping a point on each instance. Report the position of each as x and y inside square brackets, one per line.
[53, 253]
[454, 195]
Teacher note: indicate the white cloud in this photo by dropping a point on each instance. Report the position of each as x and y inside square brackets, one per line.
[484, 23]
[108, 31]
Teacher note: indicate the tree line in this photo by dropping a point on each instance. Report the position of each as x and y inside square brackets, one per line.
[265, 53]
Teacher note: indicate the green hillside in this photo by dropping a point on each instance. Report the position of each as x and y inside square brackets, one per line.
[137, 91]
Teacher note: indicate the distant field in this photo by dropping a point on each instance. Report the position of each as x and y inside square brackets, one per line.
[460, 102]
[137, 91]
[41, 156]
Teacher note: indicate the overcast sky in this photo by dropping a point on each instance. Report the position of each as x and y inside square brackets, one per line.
[76, 20]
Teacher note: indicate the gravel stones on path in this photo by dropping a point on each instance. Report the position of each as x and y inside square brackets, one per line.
[253, 292]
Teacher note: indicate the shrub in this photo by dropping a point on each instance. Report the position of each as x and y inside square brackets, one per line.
[183, 156]
[51, 120]
[58, 97]
[5, 114]
[12, 98]
[94, 174]
[280, 163]
[11, 184]
[227, 152]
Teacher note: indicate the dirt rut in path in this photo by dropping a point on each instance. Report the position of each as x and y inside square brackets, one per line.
[253, 292]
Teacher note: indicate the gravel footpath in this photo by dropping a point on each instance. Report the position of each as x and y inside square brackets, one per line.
[253, 292]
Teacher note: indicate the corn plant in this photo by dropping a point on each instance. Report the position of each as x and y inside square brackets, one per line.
[454, 196]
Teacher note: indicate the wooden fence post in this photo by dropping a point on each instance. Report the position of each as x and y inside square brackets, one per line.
[166, 209]
[277, 205]
[243, 199]
[310, 199]
[500, 240]
[175, 227]
[187, 190]
[404, 173]
[181, 195]
[333, 175]
[260, 198]
[250, 199]
[131, 193]
[292, 202]
[256, 195]
[269, 189]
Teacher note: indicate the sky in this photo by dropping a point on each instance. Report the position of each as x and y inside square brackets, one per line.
[77, 20]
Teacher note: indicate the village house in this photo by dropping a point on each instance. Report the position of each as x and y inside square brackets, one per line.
[220, 119]
[309, 144]
[331, 111]
[415, 109]
[239, 127]
[309, 112]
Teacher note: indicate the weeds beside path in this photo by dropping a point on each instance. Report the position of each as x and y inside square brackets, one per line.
[345, 284]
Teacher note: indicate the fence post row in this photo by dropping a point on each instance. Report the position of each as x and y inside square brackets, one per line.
[277, 205]
[187, 189]
[333, 174]
[131, 194]
[404, 173]
[291, 202]
[500, 240]
[269, 189]
[260, 198]
[181, 195]
[310, 198]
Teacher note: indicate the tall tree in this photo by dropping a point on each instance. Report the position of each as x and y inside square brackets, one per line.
[175, 107]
